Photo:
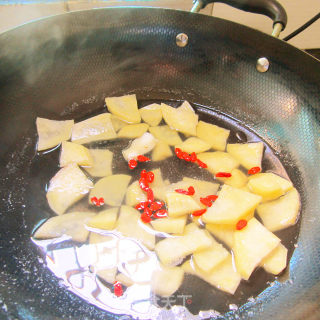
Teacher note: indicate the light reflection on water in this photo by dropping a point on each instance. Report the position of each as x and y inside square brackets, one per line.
[90, 269]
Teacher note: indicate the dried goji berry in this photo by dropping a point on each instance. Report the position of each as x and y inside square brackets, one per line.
[223, 175]
[132, 164]
[254, 170]
[160, 213]
[142, 158]
[145, 218]
[241, 224]
[198, 213]
[117, 289]
[144, 185]
[156, 205]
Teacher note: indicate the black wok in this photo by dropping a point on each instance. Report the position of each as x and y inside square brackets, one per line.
[64, 66]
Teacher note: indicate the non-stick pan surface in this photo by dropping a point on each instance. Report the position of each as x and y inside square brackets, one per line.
[64, 66]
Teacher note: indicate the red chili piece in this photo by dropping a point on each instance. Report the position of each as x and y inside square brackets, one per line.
[150, 195]
[193, 157]
[145, 218]
[97, 202]
[206, 202]
[254, 170]
[160, 214]
[186, 156]
[241, 224]
[156, 205]
[182, 191]
[142, 205]
[132, 164]
[191, 191]
[117, 289]
[212, 197]
[144, 185]
[142, 158]
[148, 212]
[201, 164]
[199, 213]
[150, 176]
[143, 174]
[178, 153]
[223, 175]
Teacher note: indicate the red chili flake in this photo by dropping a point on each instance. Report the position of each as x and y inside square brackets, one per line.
[178, 152]
[145, 218]
[201, 164]
[156, 205]
[144, 185]
[199, 213]
[223, 175]
[97, 202]
[142, 205]
[254, 170]
[186, 156]
[150, 195]
[206, 202]
[193, 157]
[132, 164]
[212, 197]
[142, 158]
[191, 191]
[241, 224]
[117, 289]
[148, 212]
[143, 174]
[94, 200]
[160, 214]
[182, 191]
[150, 176]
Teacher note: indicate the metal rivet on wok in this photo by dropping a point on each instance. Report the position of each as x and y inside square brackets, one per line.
[262, 64]
[181, 40]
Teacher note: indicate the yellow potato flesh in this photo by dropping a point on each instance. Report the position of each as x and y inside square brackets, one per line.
[151, 114]
[130, 225]
[166, 282]
[52, 132]
[248, 154]
[133, 131]
[238, 179]
[181, 119]
[269, 185]
[75, 153]
[180, 204]
[276, 261]
[135, 195]
[102, 163]
[112, 189]
[170, 225]
[172, 250]
[161, 151]
[117, 123]
[218, 161]
[125, 107]
[232, 205]
[250, 245]
[281, 213]
[207, 259]
[105, 219]
[224, 276]
[97, 128]
[166, 134]
[70, 224]
[215, 136]
[193, 144]
[139, 146]
[222, 232]
[68, 186]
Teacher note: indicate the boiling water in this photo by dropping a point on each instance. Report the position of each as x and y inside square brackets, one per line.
[80, 266]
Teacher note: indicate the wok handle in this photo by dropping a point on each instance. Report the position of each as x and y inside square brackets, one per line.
[271, 8]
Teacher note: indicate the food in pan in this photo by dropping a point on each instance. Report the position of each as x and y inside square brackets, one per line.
[218, 228]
